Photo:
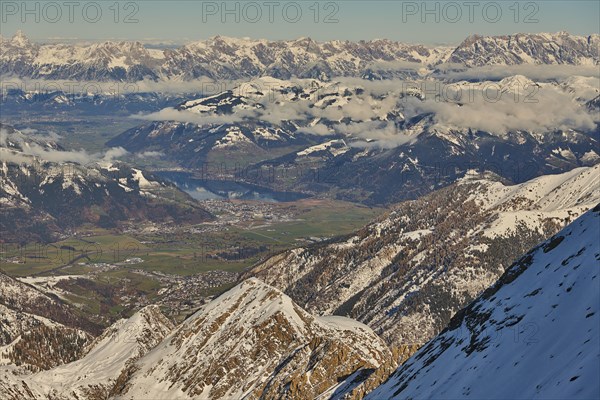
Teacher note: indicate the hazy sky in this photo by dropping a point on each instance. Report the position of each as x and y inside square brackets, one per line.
[177, 21]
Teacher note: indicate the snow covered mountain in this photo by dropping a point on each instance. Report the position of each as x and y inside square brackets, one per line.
[230, 58]
[542, 48]
[41, 100]
[46, 190]
[534, 334]
[36, 343]
[123, 61]
[255, 121]
[25, 298]
[95, 374]
[251, 342]
[216, 58]
[374, 143]
[408, 272]
[426, 141]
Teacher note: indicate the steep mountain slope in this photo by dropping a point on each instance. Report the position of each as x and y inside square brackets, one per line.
[94, 375]
[534, 334]
[38, 331]
[408, 272]
[253, 341]
[24, 298]
[43, 196]
[230, 58]
[37, 343]
[108, 356]
[434, 158]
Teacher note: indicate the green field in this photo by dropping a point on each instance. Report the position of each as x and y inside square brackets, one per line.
[183, 253]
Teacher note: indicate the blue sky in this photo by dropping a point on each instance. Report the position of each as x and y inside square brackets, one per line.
[431, 22]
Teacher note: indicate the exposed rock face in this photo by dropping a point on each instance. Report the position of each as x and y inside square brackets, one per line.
[533, 334]
[254, 342]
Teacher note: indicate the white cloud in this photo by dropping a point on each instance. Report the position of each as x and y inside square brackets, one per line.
[31, 149]
[522, 105]
[184, 116]
[534, 72]
[375, 134]
[549, 109]
[150, 154]
[113, 153]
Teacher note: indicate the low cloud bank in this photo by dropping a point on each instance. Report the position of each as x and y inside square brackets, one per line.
[33, 150]
[513, 104]
[540, 73]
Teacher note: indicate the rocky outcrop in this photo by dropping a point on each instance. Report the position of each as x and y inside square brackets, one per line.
[254, 342]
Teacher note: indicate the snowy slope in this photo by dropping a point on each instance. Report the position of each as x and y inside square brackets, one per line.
[94, 375]
[121, 344]
[26, 299]
[542, 48]
[217, 58]
[34, 342]
[250, 342]
[408, 272]
[549, 197]
[37, 330]
[532, 335]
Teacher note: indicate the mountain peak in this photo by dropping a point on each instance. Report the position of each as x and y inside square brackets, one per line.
[274, 338]
[19, 39]
[517, 84]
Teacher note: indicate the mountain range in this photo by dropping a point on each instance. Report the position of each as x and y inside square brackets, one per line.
[251, 342]
[536, 327]
[229, 58]
[44, 195]
[364, 142]
[479, 281]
